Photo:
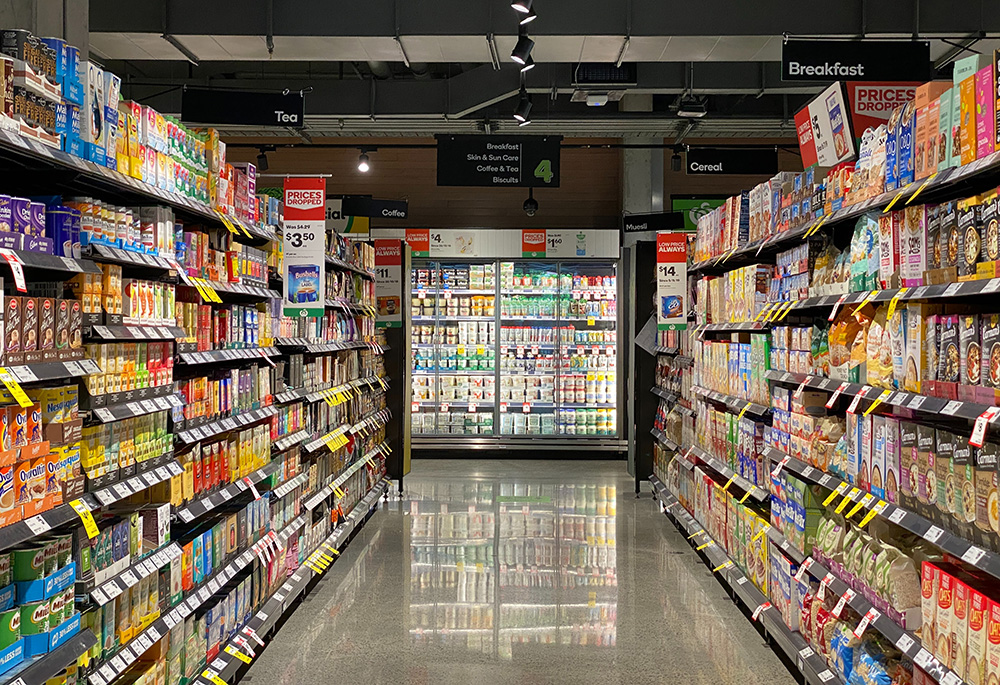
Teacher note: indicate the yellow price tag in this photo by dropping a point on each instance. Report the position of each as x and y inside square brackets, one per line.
[326, 557]
[847, 498]
[878, 400]
[211, 292]
[460, 566]
[226, 222]
[479, 567]
[725, 564]
[875, 511]
[776, 312]
[865, 300]
[88, 519]
[14, 388]
[371, 462]
[764, 310]
[338, 492]
[332, 549]
[838, 491]
[238, 653]
[591, 321]
[460, 349]
[707, 544]
[895, 200]
[922, 186]
[815, 229]
[592, 600]
[212, 677]
[330, 442]
[752, 489]
[743, 410]
[480, 350]
[893, 302]
[784, 313]
[694, 535]
[328, 398]
[725, 488]
[762, 531]
[201, 289]
[855, 509]
[244, 229]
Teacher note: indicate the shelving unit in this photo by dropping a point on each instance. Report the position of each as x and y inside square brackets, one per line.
[266, 424]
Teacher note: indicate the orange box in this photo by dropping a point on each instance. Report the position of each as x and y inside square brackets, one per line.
[17, 424]
[22, 482]
[52, 474]
[33, 427]
[7, 498]
[975, 660]
[967, 119]
[38, 449]
[37, 506]
[8, 457]
[992, 642]
[959, 627]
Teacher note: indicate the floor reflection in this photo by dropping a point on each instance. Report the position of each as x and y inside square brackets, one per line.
[498, 566]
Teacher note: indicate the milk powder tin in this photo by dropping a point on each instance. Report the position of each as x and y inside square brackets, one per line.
[35, 618]
[10, 627]
[28, 562]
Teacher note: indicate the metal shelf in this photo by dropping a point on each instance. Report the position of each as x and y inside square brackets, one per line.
[210, 430]
[127, 410]
[218, 356]
[812, 666]
[734, 404]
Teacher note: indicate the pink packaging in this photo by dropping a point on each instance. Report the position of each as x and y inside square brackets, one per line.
[985, 112]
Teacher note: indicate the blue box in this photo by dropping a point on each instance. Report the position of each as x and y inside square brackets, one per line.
[47, 587]
[73, 91]
[43, 643]
[95, 153]
[12, 656]
[7, 597]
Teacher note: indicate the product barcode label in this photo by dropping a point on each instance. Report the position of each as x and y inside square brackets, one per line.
[951, 408]
[973, 555]
[933, 534]
[37, 525]
[897, 515]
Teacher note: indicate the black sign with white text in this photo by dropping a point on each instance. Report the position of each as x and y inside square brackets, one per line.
[241, 107]
[855, 60]
[659, 221]
[736, 161]
[498, 161]
[370, 207]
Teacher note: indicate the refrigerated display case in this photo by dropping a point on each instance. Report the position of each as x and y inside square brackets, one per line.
[515, 350]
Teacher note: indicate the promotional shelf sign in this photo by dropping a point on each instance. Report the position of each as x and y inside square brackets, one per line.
[389, 282]
[824, 129]
[671, 281]
[304, 244]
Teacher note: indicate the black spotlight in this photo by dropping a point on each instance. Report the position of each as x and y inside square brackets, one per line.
[262, 160]
[522, 6]
[675, 160]
[530, 64]
[523, 108]
[529, 17]
[522, 51]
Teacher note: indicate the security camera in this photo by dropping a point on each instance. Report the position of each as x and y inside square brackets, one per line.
[530, 205]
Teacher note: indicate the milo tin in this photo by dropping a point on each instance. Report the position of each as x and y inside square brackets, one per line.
[6, 572]
[51, 557]
[35, 618]
[28, 562]
[56, 609]
[10, 627]
[64, 550]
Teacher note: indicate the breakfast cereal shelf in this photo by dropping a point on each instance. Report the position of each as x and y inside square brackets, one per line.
[229, 665]
[812, 666]
[734, 404]
[952, 183]
[971, 553]
[91, 178]
[898, 398]
[41, 669]
[670, 397]
[759, 495]
[160, 469]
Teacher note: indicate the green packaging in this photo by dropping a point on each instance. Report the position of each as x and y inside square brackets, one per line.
[10, 627]
[28, 562]
[51, 557]
[56, 610]
[35, 618]
[64, 550]
[6, 572]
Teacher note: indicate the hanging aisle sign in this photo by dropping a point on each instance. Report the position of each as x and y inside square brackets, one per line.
[304, 245]
[671, 281]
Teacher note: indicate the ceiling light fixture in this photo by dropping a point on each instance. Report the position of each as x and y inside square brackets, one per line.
[529, 17]
[523, 108]
[691, 107]
[262, 164]
[522, 50]
[522, 6]
[530, 64]
[675, 160]
[363, 165]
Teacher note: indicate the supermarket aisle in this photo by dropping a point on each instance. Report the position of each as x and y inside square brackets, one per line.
[483, 573]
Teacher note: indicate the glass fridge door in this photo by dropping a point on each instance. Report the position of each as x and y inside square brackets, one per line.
[456, 349]
[529, 328]
[588, 350]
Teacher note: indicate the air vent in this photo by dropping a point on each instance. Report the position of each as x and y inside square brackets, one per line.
[597, 74]
[595, 97]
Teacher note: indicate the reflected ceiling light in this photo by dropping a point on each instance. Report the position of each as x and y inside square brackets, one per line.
[522, 50]
[522, 6]
[529, 17]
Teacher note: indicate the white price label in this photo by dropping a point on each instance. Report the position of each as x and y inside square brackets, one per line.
[951, 408]
[825, 675]
[973, 555]
[129, 578]
[870, 616]
[933, 534]
[37, 525]
[904, 643]
[923, 659]
[897, 515]
[836, 394]
[952, 289]
[842, 602]
[104, 415]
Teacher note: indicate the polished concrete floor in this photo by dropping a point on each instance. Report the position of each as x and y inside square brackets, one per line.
[518, 572]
